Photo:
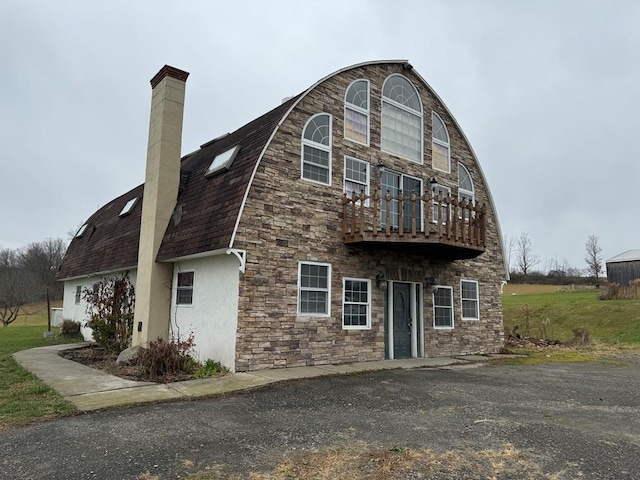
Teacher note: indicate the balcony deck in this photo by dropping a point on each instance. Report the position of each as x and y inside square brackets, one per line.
[462, 236]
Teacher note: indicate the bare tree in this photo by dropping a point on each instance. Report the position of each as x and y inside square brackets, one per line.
[593, 257]
[525, 258]
[42, 260]
[17, 286]
[509, 247]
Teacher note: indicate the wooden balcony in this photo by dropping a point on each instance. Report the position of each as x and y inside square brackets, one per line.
[451, 229]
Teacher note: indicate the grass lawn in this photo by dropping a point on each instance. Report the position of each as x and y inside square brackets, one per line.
[548, 311]
[23, 397]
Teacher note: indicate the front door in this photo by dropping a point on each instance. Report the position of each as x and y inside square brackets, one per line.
[401, 320]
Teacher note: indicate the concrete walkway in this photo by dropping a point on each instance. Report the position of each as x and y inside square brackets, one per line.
[91, 389]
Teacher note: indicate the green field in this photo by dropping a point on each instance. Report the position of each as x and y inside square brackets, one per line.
[553, 312]
[23, 397]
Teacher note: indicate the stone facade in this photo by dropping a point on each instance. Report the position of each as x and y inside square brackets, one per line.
[287, 220]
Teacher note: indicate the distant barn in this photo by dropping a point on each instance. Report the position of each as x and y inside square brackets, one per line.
[624, 268]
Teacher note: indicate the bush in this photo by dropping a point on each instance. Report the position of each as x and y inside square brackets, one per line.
[615, 291]
[581, 336]
[69, 328]
[210, 369]
[165, 359]
[110, 305]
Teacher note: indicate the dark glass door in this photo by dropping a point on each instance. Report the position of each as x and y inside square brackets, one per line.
[401, 320]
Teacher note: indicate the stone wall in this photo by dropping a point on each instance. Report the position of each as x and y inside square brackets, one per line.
[287, 220]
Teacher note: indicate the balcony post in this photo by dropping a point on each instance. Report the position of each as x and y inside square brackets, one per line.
[400, 214]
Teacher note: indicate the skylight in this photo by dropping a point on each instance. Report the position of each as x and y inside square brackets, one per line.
[128, 207]
[222, 161]
[81, 231]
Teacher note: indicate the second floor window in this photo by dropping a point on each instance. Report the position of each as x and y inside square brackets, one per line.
[356, 177]
[440, 145]
[356, 112]
[316, 149]
[401, 129]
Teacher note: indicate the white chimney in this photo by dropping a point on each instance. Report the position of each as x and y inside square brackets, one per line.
[162, 179]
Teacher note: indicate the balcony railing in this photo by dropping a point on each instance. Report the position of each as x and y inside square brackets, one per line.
[438, 224]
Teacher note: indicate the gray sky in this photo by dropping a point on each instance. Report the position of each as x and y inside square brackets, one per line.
[548, 93]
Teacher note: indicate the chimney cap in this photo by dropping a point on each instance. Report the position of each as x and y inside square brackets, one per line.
[169, 71]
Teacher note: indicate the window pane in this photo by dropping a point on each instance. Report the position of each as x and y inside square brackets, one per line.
[356, 303]
[401, 90]
[184, 296]
[358, 94]
[355, 125]
[185, 279]
[469, 309]
[313, 302]
[401, 132]
[439, 130]
[440, 157]
[317, 129]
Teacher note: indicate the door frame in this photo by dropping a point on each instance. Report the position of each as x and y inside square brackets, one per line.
[416, 299]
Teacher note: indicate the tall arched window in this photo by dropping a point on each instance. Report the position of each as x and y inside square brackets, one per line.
[465, 185]
[401, 129]
[440, 145]
[316, 149]
[356, 112]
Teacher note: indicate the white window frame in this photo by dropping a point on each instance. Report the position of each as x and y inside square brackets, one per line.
[445, 327]
[126, 210]
[358, 109]
[476, 299]
[407, 195]
[314, 289]
[367, 304]
[409, 110]
[177, 287]
[437, 141]
[367, 181]
[317, 146]
[222, 161]
[78, 294]
[463, 192]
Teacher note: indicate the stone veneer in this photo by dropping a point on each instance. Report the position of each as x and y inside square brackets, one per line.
[287, 220]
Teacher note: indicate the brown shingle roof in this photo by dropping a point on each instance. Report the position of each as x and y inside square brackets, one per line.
[210, 207]
[109, 242]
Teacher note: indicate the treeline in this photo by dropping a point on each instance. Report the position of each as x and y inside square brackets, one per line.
[554, 278]
[28, 275]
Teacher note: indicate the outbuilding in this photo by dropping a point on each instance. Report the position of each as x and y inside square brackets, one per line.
[624, 268]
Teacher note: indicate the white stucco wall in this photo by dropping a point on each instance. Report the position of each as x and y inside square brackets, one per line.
[213, 315]
[78, 312]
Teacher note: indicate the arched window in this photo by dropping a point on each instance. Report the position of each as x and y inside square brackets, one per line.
[316, 149]
[401, 129]
[356, 112]
[465, 185]
[440, 145]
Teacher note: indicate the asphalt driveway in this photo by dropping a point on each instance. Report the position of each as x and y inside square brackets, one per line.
[576, 420]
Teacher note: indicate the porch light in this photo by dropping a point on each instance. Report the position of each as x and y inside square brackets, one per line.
[430, 282]
[380, 167]
[381, 280]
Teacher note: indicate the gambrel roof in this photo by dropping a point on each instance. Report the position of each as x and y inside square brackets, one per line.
[208, 207]
[628, 256]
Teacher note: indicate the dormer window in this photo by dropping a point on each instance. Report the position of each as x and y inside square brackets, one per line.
[80, 232]
[401, 129]
[222, 161]
[316, 149]
[356, 112]
[440, 145]
[126, 210]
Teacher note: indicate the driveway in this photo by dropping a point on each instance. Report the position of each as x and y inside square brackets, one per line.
[568, 420]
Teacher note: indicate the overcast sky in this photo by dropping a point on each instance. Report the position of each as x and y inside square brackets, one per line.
[547, 92]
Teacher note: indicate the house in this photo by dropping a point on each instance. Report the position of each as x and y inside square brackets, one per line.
[350, 223]
[624, 268]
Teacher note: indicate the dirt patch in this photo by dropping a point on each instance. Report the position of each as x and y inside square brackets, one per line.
[98, 358]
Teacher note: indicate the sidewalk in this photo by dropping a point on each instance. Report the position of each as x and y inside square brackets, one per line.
[91, 389]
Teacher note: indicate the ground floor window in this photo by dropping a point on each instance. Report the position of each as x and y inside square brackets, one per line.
[78, 294]
[470, 299]
[356, 303]
[184, 288]
[314, 288]
[443, 307]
